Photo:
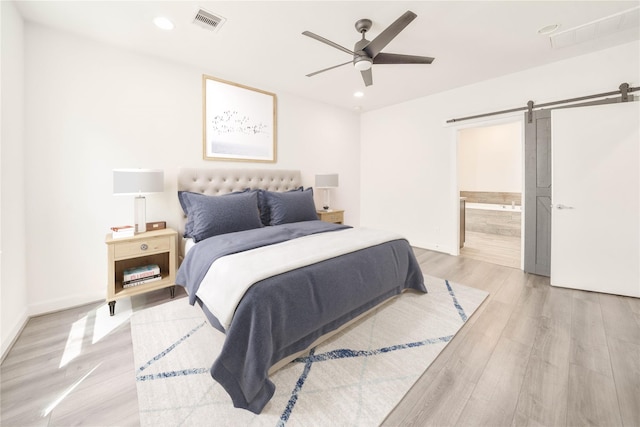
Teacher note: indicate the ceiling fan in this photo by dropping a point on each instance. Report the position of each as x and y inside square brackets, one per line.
[367, 53]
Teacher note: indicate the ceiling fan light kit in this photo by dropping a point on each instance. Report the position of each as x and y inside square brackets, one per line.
[362, 63]
[367, 53]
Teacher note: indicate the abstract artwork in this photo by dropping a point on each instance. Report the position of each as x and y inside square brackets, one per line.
[239, 122]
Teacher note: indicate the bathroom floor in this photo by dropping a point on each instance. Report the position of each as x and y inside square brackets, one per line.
[493, 248]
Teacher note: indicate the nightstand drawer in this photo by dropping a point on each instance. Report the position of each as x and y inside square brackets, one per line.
[331, 216]
[141, 247]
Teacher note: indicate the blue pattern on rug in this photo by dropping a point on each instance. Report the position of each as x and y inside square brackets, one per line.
[347, 353]
[162, 354]
[461, 312]
[169, 374]
[308, 360]
[294, 394]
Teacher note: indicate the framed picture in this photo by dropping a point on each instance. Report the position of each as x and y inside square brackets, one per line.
[239, 122]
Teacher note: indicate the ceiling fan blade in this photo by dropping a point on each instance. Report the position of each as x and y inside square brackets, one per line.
[367, 76]
[396, 58]
[329, 42]
[330, 68]
[383, 39]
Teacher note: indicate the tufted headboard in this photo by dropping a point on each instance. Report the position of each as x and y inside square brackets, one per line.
[216, 182]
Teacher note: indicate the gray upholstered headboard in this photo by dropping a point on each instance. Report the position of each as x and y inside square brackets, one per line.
[216, 182]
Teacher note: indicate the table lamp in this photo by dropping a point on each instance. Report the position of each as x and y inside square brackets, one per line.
[138, 182]
[326, 182]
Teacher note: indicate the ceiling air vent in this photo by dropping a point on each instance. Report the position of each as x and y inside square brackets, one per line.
[600, 28]
[208, 20]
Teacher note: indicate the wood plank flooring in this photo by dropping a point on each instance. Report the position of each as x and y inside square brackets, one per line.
[493, 248]
[531, 355]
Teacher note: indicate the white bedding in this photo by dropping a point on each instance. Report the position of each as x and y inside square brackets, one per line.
[231, 276]
[188, 244]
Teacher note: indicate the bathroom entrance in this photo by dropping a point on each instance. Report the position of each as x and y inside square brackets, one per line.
[490, 183]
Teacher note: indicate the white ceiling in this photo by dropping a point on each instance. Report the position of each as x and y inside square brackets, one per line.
[261, 44]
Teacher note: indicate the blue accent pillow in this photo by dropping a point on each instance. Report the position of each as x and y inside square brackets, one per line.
[185, 203]
[212, 215]
[265, 213]
[292, 206]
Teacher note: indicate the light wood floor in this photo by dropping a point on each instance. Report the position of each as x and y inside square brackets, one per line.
[493, 248]
[531, 355]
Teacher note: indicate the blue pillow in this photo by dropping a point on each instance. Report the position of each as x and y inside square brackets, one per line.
[212, 215]
[265, 213]
[293, 206]
[185, 203]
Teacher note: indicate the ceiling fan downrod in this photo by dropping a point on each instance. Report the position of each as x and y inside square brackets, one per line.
[362, 61]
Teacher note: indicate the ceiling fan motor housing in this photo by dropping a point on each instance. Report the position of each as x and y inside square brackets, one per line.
[361, 60]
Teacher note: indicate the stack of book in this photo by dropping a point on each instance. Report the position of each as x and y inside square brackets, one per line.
[123, 231]
[140, 275]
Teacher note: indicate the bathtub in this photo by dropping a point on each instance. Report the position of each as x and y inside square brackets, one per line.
[494, 207]
[490, 218]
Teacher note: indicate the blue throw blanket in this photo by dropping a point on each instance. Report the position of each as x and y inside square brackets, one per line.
[198, 260]
[285, 314]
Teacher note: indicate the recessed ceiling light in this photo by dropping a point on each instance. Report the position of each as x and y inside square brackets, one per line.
[548, 29]
[163, 23]
[358, 94]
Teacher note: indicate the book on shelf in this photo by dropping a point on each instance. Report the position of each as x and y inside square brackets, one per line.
[121, 231]
[141, 272]
[137, 282]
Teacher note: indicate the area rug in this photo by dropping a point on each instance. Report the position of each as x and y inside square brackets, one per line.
[355, 378]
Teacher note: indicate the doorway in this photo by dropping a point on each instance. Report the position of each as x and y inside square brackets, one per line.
[490, 186]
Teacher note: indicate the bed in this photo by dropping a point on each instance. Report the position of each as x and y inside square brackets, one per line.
[272, 277]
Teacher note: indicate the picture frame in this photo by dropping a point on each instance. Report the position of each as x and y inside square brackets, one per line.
[239, 122]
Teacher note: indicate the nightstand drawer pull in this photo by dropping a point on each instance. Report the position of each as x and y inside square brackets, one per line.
[144, 247]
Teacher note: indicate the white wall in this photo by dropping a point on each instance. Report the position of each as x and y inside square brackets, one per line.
[408, 156]
[13, 293]
[490, 158]
[91, 108]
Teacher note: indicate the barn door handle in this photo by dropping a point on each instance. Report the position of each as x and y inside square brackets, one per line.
[561, 206]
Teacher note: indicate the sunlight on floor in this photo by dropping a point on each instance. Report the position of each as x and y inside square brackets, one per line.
[102, 324]
[105, 323]
[73, 348]
[68, 391]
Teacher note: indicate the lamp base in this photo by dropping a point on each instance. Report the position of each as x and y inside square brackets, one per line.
[325, 206]
[140, 214]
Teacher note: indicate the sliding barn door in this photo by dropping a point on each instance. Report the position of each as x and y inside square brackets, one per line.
[537, 190]
[595, 242]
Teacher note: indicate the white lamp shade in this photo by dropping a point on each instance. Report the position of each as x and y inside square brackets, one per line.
[138, 181]
[327, 180]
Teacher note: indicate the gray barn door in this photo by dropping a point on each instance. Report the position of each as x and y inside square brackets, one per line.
[537, 188]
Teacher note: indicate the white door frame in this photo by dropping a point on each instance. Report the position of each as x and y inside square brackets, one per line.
[455, 200]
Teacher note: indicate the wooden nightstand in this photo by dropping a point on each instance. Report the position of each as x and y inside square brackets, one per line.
[153, 247]
[331, 216]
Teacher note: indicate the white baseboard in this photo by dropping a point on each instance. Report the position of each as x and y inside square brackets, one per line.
[64, 303]
[432, 247]
[14, 333]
